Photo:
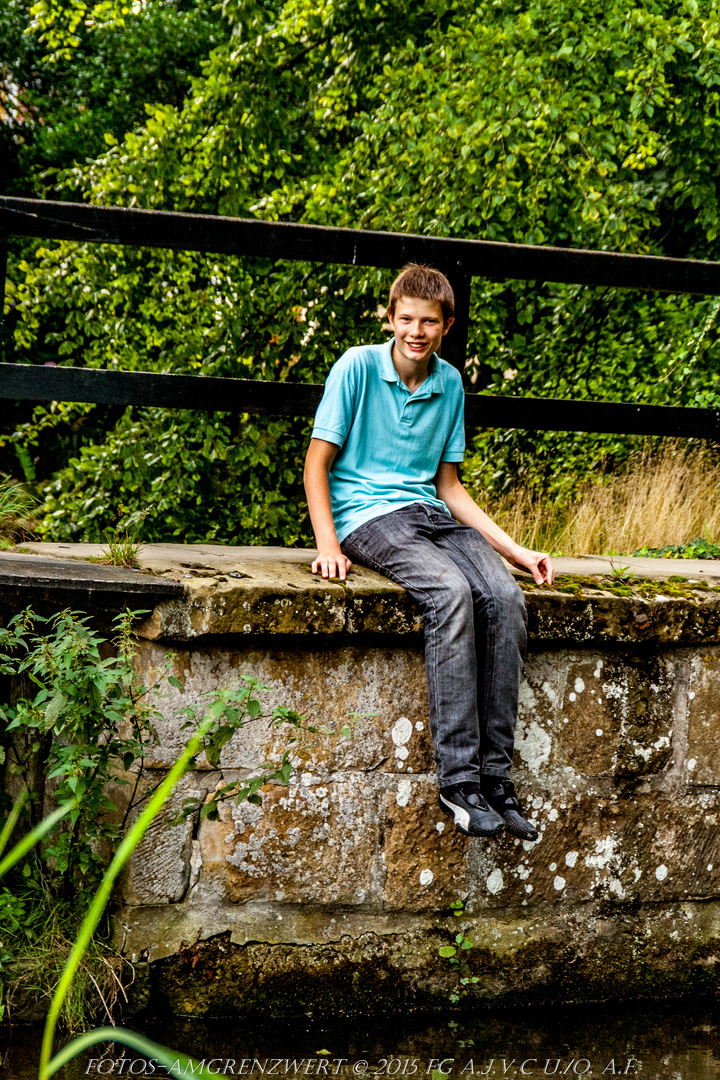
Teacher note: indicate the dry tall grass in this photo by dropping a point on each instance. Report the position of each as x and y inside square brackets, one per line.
[666, 496]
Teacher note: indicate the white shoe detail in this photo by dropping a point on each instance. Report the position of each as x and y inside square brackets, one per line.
[462, 817]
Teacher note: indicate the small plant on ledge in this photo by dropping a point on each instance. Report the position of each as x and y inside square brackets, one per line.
[123, 546]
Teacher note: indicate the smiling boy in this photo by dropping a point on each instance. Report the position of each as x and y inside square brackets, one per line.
[382, 489]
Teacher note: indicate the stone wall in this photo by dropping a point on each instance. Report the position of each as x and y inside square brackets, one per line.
[335, 894]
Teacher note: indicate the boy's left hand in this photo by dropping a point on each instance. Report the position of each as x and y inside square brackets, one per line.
[534, 562]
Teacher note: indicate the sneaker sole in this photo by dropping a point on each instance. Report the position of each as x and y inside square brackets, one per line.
[518, 831]
[462, 820]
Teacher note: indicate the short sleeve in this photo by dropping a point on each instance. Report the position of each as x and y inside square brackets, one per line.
[334, 416]
[454, 449]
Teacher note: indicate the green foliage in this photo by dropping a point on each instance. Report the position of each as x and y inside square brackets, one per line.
[14, 499]
[13, 915]
[58, 114]
[60, 24]
[122, 548]
[86, 721]
[96, 909]
[586, 124]
[80, 736]
[454, 955]
[699, 548]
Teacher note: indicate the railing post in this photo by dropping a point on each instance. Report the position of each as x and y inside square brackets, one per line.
[454, 346]
[3, 276]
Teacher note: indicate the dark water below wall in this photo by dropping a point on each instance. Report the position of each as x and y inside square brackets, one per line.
[656, 1041]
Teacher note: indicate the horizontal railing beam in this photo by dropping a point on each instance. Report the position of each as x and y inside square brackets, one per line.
[109, 387]
[318, 243]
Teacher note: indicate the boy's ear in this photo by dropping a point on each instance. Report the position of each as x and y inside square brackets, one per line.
[447, 324]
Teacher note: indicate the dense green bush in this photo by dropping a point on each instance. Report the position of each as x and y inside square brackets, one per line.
[585, 124]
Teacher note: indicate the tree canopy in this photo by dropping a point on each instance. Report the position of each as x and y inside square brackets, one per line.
[584, 124]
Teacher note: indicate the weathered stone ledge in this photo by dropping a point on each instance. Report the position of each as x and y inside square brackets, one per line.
[371, 605]
[256, 591]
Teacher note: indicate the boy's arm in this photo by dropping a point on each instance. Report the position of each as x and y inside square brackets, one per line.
[330, 559]
[467, 512]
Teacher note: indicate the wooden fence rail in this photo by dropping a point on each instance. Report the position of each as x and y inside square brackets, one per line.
[461, 260]
[24, 381]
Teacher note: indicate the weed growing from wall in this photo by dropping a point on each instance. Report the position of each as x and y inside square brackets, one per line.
[454, 955]
[75, 733]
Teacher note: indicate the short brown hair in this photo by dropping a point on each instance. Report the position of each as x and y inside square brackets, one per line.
[418, 282]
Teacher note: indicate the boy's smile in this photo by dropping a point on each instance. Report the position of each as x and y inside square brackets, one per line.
[418, 328]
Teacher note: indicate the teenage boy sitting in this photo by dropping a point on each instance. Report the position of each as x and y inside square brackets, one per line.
[383, 490]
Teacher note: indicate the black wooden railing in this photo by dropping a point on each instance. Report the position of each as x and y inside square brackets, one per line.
[461, 260]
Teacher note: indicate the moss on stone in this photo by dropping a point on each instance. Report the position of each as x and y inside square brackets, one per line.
[648, 588]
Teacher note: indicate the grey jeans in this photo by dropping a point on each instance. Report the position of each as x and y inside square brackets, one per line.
[475, 634]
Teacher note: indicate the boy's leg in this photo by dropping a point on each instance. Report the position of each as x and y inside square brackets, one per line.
[500, 635]
[400, 546]
[500, 638]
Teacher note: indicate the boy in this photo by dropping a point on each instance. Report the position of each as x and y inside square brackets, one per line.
[382, 489]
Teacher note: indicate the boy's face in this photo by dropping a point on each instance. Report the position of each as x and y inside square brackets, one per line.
[418, 328]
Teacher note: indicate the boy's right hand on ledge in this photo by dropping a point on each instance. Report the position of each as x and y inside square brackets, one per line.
[332, 564]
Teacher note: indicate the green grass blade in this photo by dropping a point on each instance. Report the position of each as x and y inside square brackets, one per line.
[23, 846]
[178, 1065]
[12, 820]
[101, 898]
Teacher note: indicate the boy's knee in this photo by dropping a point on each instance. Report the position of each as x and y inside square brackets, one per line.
[510, 599]
[454, 592]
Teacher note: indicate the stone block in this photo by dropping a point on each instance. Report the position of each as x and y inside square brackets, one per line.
[425, 857]
[536, 734]
[309, 842]
[159, 870]
[702, 760]
[589, 617]
[386, 684]
[378, 606]
[220, 607]
[575, 859]
[290, 600]
[627, 850]
[617, 714]
[583, 854]
[679, 851]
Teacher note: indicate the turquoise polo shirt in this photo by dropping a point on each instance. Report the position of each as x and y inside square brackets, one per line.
[391, 441]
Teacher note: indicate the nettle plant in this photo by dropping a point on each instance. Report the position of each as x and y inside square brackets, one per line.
[75, 734]
[80, 727]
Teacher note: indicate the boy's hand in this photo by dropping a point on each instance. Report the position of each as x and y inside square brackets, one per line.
[535, 562]
[332, 564]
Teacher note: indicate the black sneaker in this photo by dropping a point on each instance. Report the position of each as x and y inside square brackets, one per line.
[501, 796]
[471, 812]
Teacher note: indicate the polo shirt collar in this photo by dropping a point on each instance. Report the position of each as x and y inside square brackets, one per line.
[432, 385]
